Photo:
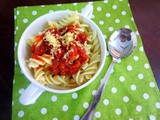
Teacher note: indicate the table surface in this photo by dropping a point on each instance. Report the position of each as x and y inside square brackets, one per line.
[146, 16]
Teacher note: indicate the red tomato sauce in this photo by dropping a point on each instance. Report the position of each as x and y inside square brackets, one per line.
[68, 59]
[72, 64]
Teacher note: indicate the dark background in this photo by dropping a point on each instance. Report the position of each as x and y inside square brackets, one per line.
[147, 17]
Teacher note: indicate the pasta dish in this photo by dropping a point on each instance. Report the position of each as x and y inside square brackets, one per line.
[67, 53]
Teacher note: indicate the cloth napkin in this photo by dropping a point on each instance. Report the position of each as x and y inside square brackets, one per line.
[131, 92]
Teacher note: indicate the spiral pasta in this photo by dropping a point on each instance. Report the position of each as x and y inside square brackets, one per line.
[88, 48]
[55, 80]
[92, 66]
[40, 60]
[39, 75]
[70, 19]
[78, 78]
[43, 65]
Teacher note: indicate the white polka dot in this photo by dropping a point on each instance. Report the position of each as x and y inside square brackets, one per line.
[141, 49]
[118, 111]
[110, 28]
[139, 108]
[132, 19]
[114, 90]
[101, 22]
[94, 92]
[140, 76]
[125, 99]
[117, 21]
[102, 80]
[158, 105]
[121, 78]
[21, 91]
[98, 114]
[67, 9]
[14, 32]
[21, 72]
[90, 3]
[137, 33]
[130, 119]
[145, 96]
[59, 4]
[42, 5]
[119, 61]
[75, 4]
[92, 16]
[99, 8]
[128, 5]
[18, 12]
[65, 108]
[54, 98]
[152, 117]
[15, 62]
[33, 102]
[127, 26]
[129, 68]
[146, 65]
[34, 12]
[13, 81]
[21, 113]
[135, 58]
[112, 71]
[105, 1]
[108, 14]
[43, 111]
[26, 6]
[152, 84]
[107, 53]
[76, 117]
[105, 36]
[133, 87]
[55, 118]
[15, 17]
[12, 103]
[120, 0]
[114, 6]
[51, 11]
[123, 12]
[105, 101]
[74, 95]
[16, 27]
[15, 44]
[25, 20]
[85, 105]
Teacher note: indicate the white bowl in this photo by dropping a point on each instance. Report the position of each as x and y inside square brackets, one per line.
[33, 29]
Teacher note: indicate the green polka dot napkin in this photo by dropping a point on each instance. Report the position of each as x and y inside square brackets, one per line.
[131, 93]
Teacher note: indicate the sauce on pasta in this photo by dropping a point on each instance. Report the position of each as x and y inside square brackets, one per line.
[66, 48]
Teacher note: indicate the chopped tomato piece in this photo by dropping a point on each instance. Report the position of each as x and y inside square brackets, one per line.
[39, 67]
[82, 37]
[38, 58]
[39, 38]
